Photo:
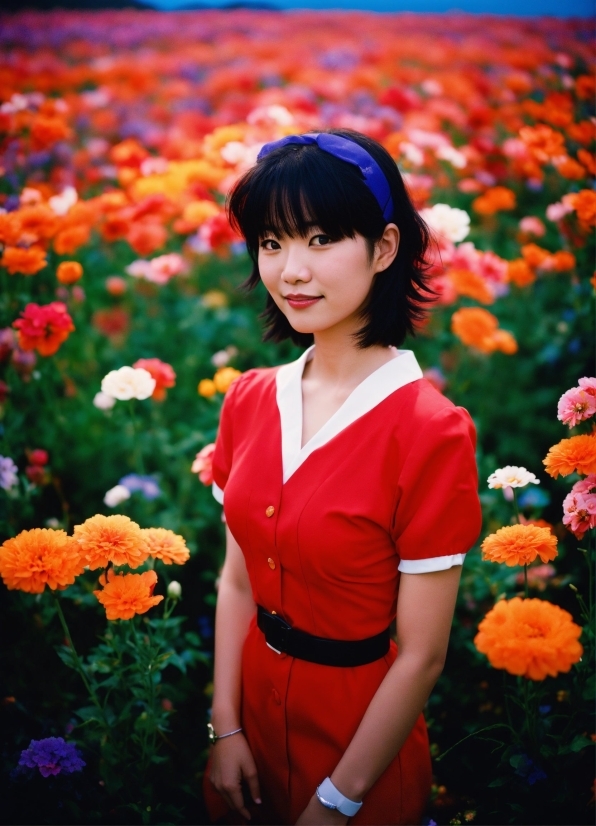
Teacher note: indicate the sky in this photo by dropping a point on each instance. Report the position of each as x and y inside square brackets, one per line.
[554, 8]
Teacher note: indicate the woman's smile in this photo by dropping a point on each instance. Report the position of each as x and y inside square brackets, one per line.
[299, 301]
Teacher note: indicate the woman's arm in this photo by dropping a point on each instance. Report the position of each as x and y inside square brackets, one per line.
[424, 615]
[232, 760]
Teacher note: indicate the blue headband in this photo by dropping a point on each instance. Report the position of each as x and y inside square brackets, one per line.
[345, 150]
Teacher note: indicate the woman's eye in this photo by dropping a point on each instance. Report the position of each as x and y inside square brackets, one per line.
[269, 244]
[320, 240]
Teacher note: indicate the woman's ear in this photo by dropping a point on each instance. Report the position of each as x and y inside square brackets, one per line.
[386, 248]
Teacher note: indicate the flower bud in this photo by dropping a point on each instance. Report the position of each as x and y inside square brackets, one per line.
[174, 590]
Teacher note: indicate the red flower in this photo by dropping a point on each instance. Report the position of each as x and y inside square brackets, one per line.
[43, 327]
[38, 457]
[163, 374]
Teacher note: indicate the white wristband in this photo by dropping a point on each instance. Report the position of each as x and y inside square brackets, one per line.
[332, 798]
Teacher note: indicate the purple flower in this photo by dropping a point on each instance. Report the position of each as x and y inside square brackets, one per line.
[144, 484]
[8, 473]
[52, 755]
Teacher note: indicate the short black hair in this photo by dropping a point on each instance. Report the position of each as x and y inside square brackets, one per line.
[296, 185]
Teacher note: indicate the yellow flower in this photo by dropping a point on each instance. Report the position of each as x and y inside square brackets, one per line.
[224, 378]
[214, 299]
[207, 388]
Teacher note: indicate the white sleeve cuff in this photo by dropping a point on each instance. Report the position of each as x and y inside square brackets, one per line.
[218, 493]
[435, 563]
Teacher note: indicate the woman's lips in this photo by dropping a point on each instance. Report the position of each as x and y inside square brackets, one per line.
[299, 302]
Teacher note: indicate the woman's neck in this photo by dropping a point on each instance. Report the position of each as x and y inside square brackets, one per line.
[338, 362]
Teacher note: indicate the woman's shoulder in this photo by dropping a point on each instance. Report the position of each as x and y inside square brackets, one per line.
[253, 385]
[427, 408]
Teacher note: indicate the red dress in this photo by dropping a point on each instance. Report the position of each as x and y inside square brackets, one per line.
[389, 484]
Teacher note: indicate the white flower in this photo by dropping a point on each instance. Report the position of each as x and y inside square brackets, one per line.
[103, 402]
[60, 204]
[128, 383]
[452, 156]
[116, 495]
[450, 222]
[511, 476]
[220, 359]
[174, 590]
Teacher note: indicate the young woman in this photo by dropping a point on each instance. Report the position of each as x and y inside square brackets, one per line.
[350, 492]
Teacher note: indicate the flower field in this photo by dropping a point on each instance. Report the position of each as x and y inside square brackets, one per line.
[122, 326]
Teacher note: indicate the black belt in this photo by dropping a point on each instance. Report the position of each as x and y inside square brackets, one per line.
[346, 653]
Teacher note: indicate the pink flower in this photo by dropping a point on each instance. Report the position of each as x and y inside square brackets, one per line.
[579, 512]
[587, 485]
[554, 212]
[436, 378]
[532, 225]
[466, 257]
[589, 385]
[577, 404]
[538, 576]
[203, 464]
[165, 267]
[494, 270]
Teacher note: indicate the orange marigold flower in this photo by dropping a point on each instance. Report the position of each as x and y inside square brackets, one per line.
[471, 284]
[562, 261]
[534, 255]
[519, 545]
[574, 455]
[163, 374]
[68, 240]
[505, 341]
[26, 261]
[530, 638]
[584, 204]
[37, 223]
[587, 159]
[478, 328]
[543, 142]
[43, 327]
[520, 273]
[125, 595]
[10, 228]
[570, 169]
[475, 327]
[495, 199]
[166, 545]
[224, 378]
[146, 237]
[68, 272]
[40, 557]
[585, 87]
[116, 539]
[46, 131]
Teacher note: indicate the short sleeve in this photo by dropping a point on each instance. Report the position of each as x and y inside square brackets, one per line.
[224, 445]
[438, 516]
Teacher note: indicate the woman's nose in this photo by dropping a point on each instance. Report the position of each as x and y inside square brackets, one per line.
[295, 268]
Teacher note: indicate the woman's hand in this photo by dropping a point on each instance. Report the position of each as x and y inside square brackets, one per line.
[231, 763]
[316, 814]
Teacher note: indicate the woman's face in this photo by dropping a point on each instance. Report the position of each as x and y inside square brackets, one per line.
[317, 283]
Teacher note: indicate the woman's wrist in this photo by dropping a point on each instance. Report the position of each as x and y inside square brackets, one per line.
[224, 719]
[354, 788]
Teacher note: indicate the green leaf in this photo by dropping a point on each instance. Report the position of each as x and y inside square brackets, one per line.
[499, 781]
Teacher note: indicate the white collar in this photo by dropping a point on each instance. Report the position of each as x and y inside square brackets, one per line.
[368, 394]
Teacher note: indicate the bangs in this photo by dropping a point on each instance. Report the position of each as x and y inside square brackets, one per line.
[297, 190]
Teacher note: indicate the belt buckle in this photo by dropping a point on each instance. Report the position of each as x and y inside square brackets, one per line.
[272, 648]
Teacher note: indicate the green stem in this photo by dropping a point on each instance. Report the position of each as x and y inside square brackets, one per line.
[516, 506]
[77, 661]
[138, 453]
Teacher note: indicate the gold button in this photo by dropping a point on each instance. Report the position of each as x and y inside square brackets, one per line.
[274, 613]
[271, 563]
[270, 511]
